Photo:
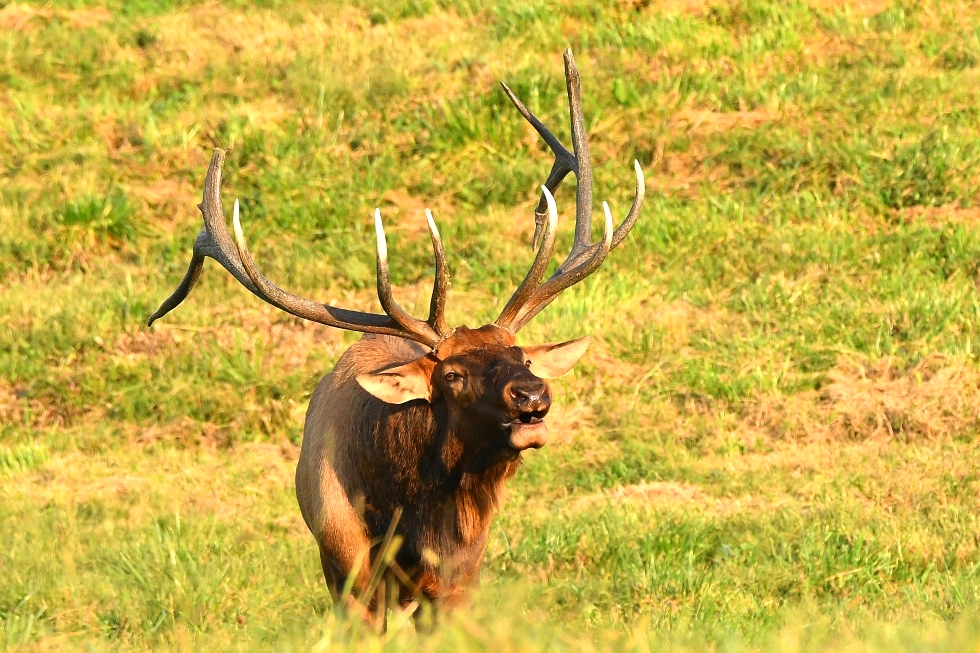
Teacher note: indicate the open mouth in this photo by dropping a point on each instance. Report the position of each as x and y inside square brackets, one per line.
[530, 417]
[528, 431]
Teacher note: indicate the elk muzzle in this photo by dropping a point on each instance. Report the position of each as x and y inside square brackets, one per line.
[528, 400]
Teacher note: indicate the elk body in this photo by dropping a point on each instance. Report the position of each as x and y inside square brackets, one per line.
[409, 439]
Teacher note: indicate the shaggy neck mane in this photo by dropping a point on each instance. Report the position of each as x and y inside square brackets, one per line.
[472, 480]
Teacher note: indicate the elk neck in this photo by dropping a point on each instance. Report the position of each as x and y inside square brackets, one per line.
[446, 466]
[462, 473]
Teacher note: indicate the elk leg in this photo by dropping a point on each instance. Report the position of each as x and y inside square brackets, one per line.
[380, 607]
[334, 585]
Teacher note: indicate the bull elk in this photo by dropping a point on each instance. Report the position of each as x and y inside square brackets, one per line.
[410, 438]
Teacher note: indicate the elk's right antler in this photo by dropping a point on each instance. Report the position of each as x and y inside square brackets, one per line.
[584, 258]
[214, 242]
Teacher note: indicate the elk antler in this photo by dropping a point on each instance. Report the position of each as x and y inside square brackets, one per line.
[584, 258]
[214, 241]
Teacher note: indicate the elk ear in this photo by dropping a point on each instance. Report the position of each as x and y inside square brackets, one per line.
[406, 382]
[553, 360]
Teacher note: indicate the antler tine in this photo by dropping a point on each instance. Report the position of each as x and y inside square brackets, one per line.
[583, 172]
[397, 313]
[440, 284]
[329, 315]
[538, 267]
[624, 228]
[215, 242]
[564, 164]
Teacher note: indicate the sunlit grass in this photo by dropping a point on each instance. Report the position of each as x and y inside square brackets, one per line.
[770, 445]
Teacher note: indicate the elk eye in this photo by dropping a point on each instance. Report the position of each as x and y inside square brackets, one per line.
[452, 377]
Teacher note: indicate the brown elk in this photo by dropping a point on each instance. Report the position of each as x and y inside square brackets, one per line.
[410, 438]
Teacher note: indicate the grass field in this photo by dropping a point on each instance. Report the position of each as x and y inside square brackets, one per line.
[772, 444]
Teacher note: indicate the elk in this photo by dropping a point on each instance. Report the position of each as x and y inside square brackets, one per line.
[409, 439]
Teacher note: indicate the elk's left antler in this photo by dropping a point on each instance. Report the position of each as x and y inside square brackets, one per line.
[584, 258]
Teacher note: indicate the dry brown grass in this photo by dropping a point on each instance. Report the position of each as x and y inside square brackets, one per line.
[568, 419]
[406, 212]
[860, 8]
[936, 398]
[289, 341]
[669, 494]
[24, 18]
[693, 7]
[943, 216]
[697, 120]
[199, 481]
[19, 407]
[863, 400]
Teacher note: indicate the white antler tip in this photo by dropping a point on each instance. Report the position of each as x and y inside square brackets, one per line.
[640, 181]
[552, 209]
[431, 221]
[237, 223]
[608, 229]
[380, 231]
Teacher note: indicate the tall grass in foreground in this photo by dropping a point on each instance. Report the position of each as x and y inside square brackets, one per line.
[771, 445]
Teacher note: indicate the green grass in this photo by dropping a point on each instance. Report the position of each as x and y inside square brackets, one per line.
[771, 446]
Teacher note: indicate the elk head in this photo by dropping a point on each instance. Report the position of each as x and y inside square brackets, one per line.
[493, 389]
[495, 392]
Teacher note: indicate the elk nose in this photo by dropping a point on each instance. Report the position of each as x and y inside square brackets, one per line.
[529, 395]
